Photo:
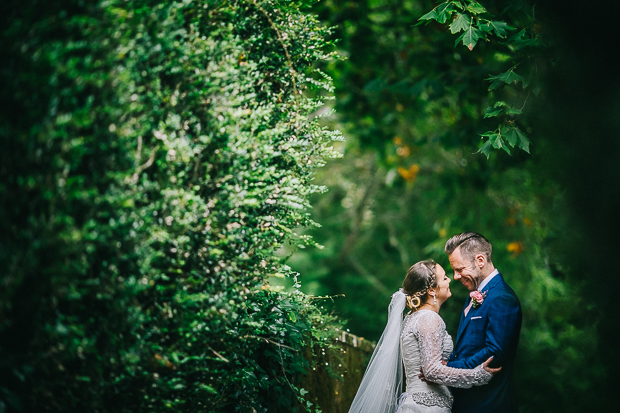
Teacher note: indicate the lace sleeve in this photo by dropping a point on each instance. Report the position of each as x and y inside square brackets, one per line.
[429, 331]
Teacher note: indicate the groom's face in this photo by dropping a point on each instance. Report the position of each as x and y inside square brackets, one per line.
[468, 273]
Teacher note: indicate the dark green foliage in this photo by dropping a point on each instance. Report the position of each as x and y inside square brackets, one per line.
[155, 155]
[582, 128]
[524, 50]
[399, 74]
[412, 107]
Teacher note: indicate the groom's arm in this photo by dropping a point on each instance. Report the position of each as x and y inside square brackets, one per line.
[503, 320]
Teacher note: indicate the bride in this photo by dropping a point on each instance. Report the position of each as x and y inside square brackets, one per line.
[421, 343]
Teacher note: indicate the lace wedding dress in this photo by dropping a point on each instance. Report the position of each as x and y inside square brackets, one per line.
[424, 342]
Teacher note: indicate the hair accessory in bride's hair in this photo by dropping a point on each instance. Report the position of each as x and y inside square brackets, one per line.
[413, 300]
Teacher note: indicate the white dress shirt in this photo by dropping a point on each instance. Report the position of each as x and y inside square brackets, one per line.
[486, 280]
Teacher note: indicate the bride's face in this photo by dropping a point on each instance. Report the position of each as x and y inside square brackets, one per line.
[442, 291]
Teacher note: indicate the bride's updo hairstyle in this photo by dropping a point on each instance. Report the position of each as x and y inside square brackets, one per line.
[419, 279]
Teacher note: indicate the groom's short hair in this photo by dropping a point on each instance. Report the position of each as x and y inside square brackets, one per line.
[471, 244]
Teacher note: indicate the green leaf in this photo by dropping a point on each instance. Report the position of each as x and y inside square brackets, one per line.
[496, 141]
[521, 40]
[470, 37]
[303, 391]
[506, 77]
[489, 135]
[495, 84]
[440, 13]
[511, 136]
[476, 8]
[514, 136]
[524, 142]
[485, 149]
[460, 23]
[491, 112]
[444, 11]
[431, 15]
[513, 111]
[498, 27]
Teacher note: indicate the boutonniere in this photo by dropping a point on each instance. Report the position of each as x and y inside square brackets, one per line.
[477, 298]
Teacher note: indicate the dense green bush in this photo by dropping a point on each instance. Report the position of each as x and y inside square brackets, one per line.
[154, 156]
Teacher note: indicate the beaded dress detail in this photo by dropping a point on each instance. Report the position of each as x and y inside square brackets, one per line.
[425, 343]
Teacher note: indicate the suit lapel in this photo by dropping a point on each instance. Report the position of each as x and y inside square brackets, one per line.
[462, 320]
[465, 320]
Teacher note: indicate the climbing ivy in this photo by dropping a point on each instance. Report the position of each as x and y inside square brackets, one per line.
[155, 156]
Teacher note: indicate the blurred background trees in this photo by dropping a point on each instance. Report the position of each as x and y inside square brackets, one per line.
[413, 108]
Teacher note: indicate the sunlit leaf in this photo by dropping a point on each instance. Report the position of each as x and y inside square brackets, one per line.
[431, 15]
[470, 37]
[476, 8]
[459, 24]
[444, 11]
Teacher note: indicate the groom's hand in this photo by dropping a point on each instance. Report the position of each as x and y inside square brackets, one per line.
[421, 376]
[485, 366]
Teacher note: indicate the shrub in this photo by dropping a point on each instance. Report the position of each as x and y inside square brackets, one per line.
[155, 155]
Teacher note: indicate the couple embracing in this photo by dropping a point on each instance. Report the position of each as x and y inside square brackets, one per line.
[473, 376]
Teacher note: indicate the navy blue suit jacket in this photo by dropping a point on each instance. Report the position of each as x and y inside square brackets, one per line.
[491, 329]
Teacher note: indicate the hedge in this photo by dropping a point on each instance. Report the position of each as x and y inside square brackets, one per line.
[155, 156]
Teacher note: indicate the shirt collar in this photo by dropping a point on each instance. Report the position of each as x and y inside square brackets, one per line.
[486, 280]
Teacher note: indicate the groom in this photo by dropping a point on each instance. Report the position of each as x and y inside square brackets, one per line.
[489, 326]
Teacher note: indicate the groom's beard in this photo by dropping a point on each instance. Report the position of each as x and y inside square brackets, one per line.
[477, 278]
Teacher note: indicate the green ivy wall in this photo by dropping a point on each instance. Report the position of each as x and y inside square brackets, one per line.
[154, 156]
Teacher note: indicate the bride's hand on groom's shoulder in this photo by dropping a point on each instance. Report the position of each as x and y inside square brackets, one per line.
[485, 366]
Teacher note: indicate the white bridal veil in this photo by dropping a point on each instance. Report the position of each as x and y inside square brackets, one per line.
[382, 382]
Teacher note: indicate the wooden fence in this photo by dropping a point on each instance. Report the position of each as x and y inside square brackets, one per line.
[334, 381]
